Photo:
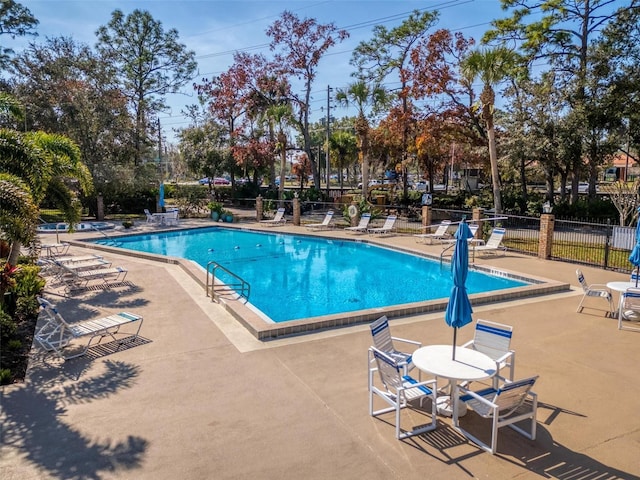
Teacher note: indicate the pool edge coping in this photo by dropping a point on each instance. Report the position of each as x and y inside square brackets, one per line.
[263, 330]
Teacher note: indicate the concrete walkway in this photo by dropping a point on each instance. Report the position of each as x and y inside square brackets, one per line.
[200, 398]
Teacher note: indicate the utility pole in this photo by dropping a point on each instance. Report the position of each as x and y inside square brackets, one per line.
[328, 173]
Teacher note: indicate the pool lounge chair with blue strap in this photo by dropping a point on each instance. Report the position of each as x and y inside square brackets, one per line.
[56, 334]
[493, 245]
[398, 391]
[441, 233]
[512, 402]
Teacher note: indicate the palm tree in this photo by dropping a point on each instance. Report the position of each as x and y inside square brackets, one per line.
[344, 144]
[491, 66]
[18, 213]
[280, 115]
[45, 163]
[363, 95]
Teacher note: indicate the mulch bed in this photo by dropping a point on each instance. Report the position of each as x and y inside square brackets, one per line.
[17, 359]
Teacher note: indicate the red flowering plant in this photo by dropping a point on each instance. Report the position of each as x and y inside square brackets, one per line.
[7, 278]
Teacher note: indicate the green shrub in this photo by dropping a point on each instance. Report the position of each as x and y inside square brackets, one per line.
[29, 283]
[7, 326]
[14, 345]
[27, 307]
[5, 376]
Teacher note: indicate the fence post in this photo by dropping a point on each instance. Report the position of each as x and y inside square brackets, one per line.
[296, 211]
[426, 218]
[545, 243]
[259, 208]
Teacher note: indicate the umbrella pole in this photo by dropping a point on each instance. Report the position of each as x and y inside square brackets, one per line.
[455, 332]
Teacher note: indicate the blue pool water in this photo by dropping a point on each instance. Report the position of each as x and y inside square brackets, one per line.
[294, 277]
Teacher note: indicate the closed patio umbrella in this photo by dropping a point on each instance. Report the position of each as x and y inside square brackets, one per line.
[161, 195]
[458, 312]
[634, 257]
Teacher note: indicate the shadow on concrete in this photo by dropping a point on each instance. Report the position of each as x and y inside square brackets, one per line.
[34, 425]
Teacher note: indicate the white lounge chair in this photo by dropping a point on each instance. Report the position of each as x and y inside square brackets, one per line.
[386, 228]
[441, 233]
[398, 390]
[278, 219]
[383, 341]
[56, 334]
[594, 290]
[325, 223]
[511, 403]
[362, 225]
[493, 245]
[150, 217]
[629, 310]
[494, 340]
[74, 279]
[171, 217]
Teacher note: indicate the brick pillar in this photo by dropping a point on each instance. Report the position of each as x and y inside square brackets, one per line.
[259, 208]
[477, 215]
[296, 211]
[426, 218]
[100, 208]
[545, 242]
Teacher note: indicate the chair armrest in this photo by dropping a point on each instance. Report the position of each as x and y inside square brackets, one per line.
[598, 286]
[468, 344]
[504, 357]
[404, 340]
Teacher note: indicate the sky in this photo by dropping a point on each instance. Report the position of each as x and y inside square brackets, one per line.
[215, 29]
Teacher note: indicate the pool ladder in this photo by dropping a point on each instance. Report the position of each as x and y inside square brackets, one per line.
[239, 285]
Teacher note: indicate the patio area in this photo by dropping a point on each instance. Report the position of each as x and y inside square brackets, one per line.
[200, 397]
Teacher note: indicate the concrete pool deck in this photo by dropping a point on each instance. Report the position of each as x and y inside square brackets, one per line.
[200, 397]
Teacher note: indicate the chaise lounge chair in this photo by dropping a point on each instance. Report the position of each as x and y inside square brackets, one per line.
[386, 228]
[440, 233]
[277, 220]
[74, 279]
[325, 223]
[56, 334]
[493, 245]
[362, 226]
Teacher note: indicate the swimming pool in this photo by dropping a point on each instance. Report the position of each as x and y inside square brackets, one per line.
[298, 277]
[63, 227]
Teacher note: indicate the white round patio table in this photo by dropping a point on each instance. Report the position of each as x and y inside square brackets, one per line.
[621, 286]
[469, 365]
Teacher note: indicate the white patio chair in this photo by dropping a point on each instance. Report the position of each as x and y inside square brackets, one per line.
[511, 403]
[398, 391]
[494, 340]
[493, 245]
[383, 341]
[277, 220]
[362, 225]
[150, 217]
[594, 290]
[629, 310]
[171, 217]
[326, 223]
[441, 233]
[56, 334]
[386, 228]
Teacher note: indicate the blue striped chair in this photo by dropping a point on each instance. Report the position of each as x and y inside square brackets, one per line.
[629, 309]
[398, 390]
[494, 340]
[511, 403]
[383, 341]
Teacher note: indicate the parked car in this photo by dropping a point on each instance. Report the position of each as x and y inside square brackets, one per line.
[216, 181]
